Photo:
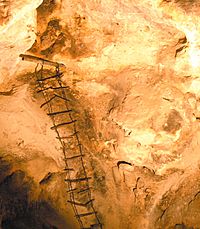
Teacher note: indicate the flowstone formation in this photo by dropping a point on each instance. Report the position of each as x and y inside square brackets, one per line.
[131, 76]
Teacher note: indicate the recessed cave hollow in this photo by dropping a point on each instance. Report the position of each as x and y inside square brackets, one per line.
[99, 114]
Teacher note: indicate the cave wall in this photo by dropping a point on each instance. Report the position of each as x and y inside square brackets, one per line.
[133, 75]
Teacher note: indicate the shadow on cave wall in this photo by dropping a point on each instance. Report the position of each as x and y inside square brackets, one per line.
[17, 211]
[182, 226]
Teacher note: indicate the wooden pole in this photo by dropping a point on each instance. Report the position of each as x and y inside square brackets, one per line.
[40, 60]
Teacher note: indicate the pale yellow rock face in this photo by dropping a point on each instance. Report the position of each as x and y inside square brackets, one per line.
[133, 69]
[17, 30]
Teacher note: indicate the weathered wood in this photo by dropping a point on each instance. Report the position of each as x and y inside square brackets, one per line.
[80, 204]
[67, 137]
[75, 156]
[50, 77]
[59, 112]
[53, 88]
[63, 124]
[72, 190]
[48, 101]
[78, 179]
[40, 60]
[68, 169]
[86, 214]
[84, 190]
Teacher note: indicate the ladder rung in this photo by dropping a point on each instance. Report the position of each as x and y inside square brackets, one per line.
[53, 88]
[61, 87]
[78, 179]
[63, 124]
[76, 156]
[54, 96]
[76, 203]
[50, 77]
[72, 190]
[89, 201]
[81, 191]
[70, 136]
[80, 204]
[62, 97]
[59, 112]
[44, 89]
[68, 169]
[84, 190]
[48, 101]
[85, 214]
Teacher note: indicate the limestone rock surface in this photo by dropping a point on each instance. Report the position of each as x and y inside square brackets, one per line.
[132, 69]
